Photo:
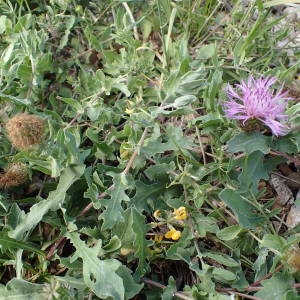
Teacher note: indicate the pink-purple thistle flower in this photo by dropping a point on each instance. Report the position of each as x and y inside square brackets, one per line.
[256, 100]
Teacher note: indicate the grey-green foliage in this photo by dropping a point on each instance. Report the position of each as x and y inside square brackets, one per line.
[99, 76]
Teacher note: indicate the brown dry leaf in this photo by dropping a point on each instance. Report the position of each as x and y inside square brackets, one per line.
[285, 195]
[294, 180]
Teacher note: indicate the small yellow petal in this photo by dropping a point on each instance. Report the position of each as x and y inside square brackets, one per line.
[176, 235]
[125, 251]
[158, 238]
[129, 111]
[168, 235]
[157, 214]
[180, 213]
[173, 234]
[124, 154]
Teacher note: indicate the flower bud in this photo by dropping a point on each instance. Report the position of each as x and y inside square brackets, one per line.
[25, 131]
[14, 175]
[180, 213]
[173, 234]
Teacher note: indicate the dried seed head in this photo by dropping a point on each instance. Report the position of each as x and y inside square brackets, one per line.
[25, 131]
[293, 259]
[14, 175]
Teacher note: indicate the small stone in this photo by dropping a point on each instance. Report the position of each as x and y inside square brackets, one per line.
[293, 218]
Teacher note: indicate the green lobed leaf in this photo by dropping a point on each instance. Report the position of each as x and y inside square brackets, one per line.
[260, 265]
[223, 259]
[7, 242]
[19, 289]
[53, 202]
[223, 275]
[204, 224]
[206, 51]
[99, 275]
[68, 22]
[2, 24]
[229, 233]
[276, 287]
[17, 100]
[285, 144]
[254, 169]
[273, 242]
[132, 233]
[176, 141]
[113, 211]
[242, 209]
[184, 100]
[124, 230]
[177, 250]
[113, 245]
[168, 293]
[145, 193]
[249, 142]
[74, 104]
[131, 287]
[140, 243]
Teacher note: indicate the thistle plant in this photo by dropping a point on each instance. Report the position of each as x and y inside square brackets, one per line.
[14, 175]
[255, 100]
[25, 131]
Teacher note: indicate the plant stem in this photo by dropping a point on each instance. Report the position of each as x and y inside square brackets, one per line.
[127, 8]
[159, 285]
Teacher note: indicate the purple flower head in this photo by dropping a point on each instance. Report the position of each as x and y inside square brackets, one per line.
[255, 99]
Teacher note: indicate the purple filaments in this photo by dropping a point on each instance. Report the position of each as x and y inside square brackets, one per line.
[255, 99]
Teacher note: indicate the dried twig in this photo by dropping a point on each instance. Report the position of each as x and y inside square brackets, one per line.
[201, 146]
[288, 157]
[255, 286]
[54, 247]
[270, 274]
[247, 296]
[159, 285]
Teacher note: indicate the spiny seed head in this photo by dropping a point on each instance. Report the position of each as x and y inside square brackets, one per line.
[25, 131]
[14, 175]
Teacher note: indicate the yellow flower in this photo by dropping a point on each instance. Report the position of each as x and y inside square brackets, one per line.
[180, 213]
[124, 154]
[173, 234]
[126, 251]
[158, 238]
[125, 150]
[129, 111]
[157, 214]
